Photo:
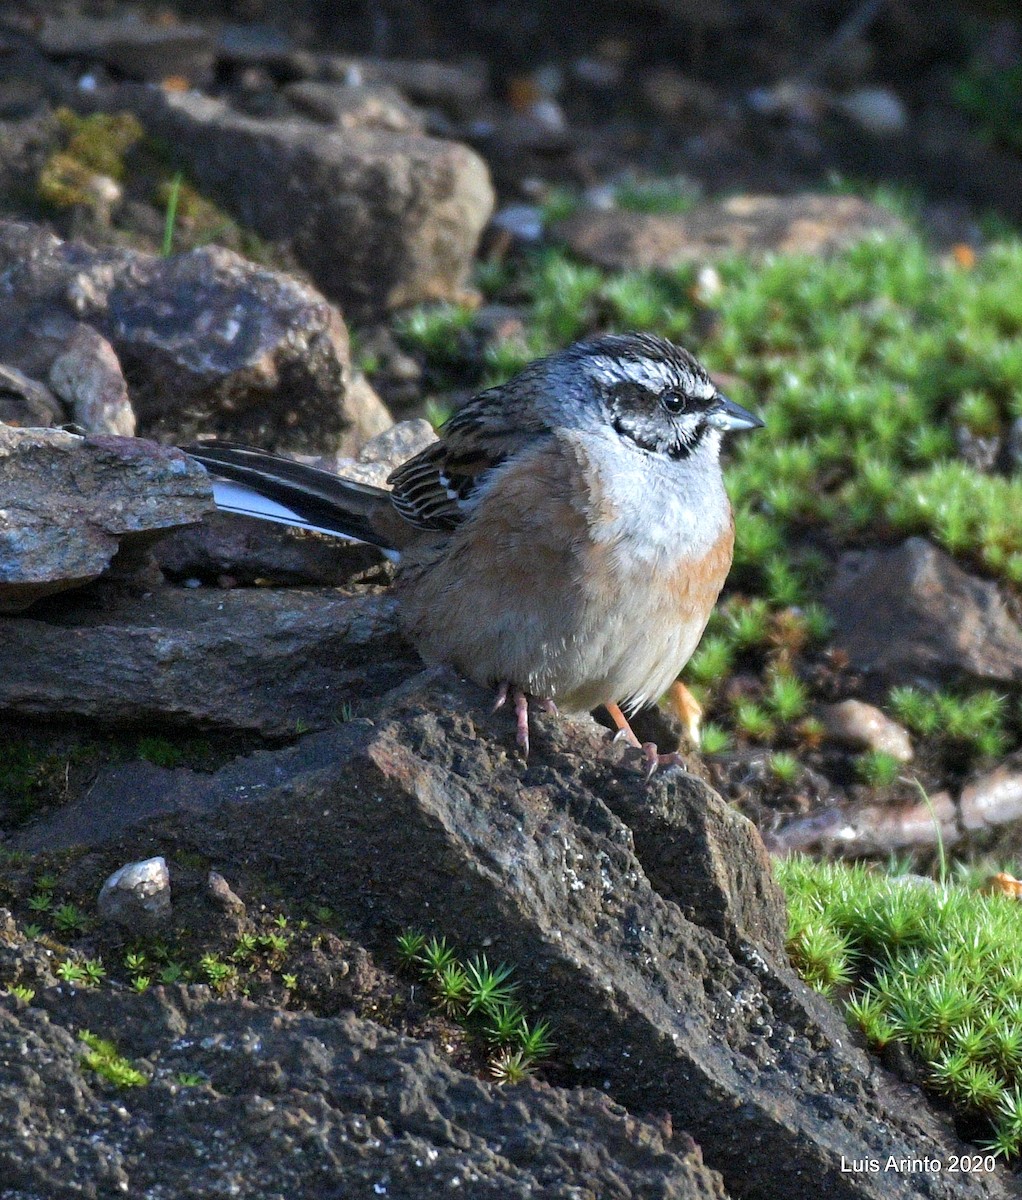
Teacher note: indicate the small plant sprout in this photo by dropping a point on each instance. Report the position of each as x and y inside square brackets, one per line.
[102, 1058]
[72, 972]
[754, 721]
[511, 1067]
[784, 767]
[173, 972]
[94, 970]
[135, 960]
[290, 981]
[190, 1079]
[170, 220]
[488, 986]
[534, 1039]
[410, 943]
[714, 739]
[22, 992]
[141, 983]
[786, 697]
[434, 956]
[878, 768]
[502, 1023]
[33, 931]
[453, 989]
[42, 902]
[69, 918]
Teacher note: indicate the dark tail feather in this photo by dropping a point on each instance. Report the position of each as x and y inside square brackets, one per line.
[264, 485]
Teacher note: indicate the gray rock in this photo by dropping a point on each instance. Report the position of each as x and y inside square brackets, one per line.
[865, 727]
[231, 550]
[458, 88]
[87, 377]
[223, 895]
[275, 662]
[873, 829]
[355, 106]
[26, 402]
[993, 799]
[71, 503]
[208, 342]
[805, 224]
[303, 1107]
[136, 48]
[137, 896]
[655, 949]
[398, 444]
[912, 613]
[379, 220]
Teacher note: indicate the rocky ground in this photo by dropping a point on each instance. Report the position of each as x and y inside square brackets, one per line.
[276, 225]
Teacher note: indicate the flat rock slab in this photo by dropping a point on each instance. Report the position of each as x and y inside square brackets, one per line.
[301, 1107]
[911, 613]
[208, 342]
[656, 947]
[378, 219]
[803, 224]
[70, 504]
[274, 662]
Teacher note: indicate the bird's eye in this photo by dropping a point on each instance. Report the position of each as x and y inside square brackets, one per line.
[673, 402]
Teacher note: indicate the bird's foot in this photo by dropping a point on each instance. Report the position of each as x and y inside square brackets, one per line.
[521, 705]
[655, 760]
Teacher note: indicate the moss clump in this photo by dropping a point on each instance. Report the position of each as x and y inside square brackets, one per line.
[94, 147]
[936, 968]
[102, 1058]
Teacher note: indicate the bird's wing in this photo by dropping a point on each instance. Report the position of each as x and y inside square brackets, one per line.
[435, 489]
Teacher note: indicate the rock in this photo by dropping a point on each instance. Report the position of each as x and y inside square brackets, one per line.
[993, 799]
[249, 659]
[519, 224]
[805, 224]
[398, 443]
[135, 48]
[292, 1103]
[26, 402]
[232, 550]
[87, 377]
[911, 613]
[208, 342]
[353, 106]
[426, 809]
[458, 88]
[876, 110]
[70, 504]
[222, 895]
[865, 727]
[379, 220]
[137, 896]
[871, 830]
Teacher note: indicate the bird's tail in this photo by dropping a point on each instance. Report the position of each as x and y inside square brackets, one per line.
[256, 483]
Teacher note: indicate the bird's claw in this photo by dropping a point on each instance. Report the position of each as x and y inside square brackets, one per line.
[655, 760]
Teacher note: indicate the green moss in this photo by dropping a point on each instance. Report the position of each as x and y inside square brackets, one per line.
[93, 146]
[937, 968]
[102, 1058]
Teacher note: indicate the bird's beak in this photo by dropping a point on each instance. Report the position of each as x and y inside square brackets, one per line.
[727, 416]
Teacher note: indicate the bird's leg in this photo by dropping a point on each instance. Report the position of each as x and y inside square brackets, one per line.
[521, 703]
[654, 759]
[624, 730]
[687, 709]
[522, 718]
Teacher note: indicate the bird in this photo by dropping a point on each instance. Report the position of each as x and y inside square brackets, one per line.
[565, 538]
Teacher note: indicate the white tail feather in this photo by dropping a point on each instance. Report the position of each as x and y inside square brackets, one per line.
[247, 502]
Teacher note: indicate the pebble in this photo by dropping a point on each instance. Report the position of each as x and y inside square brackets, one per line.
[137, 895]
[864, 726]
